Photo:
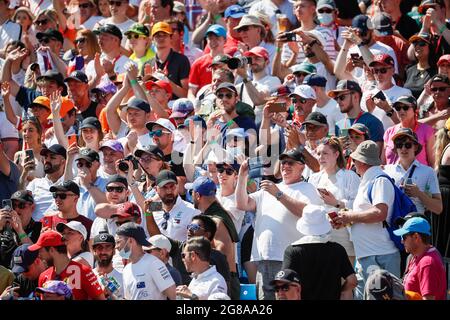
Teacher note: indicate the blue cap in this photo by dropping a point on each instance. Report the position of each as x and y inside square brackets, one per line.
[234, 11]
[23, 258]
[416, 224]
[197, 119]
[315, 80]
[218, 30]
[181, 108]
[203, 185]
[362, 22]
[138, 104]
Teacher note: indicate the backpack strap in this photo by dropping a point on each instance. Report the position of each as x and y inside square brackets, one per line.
[411, 172]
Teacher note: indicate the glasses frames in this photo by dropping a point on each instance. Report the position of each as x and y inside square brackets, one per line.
[41, 22]
[342, 96]
[399, 107]
[380, 70]
[438, 89]
[84, 164]
[115, 189]
[227, 95]
[407, 145]
[166, 217]
[62, 196]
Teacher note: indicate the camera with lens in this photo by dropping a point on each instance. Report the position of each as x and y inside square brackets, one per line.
[123, 166]
[288, 36]
[238, 62]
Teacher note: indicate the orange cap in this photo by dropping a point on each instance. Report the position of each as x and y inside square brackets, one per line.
[161, 26]
[66, 106]
[42, 101]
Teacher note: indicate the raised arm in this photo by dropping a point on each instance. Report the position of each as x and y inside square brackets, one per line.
[55, 104]
[112, 116]
[243, 201]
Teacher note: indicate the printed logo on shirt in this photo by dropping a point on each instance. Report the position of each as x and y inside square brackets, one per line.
[177, 218]
[165, 274]
[140, 285]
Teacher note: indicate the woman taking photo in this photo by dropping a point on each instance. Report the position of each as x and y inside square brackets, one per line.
[75, 237]
[87, 46]
[407, 112]
[337, 187]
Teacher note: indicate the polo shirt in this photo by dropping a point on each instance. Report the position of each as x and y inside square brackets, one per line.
[374, 125]
[415, 79]
[206, 283]
[43, 198]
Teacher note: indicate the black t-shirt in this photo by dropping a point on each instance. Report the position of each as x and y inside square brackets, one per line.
[91, 111]
[415, 79]
[176, 164]
[407, 26]
[348, 9]
[321, 267]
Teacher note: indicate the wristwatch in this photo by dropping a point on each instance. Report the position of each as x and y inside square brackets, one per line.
[278, 195]
[390, 113]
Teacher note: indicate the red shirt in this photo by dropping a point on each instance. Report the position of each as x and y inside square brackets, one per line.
[52, 222]
[425, 275]
[201, 74]
[79, 277]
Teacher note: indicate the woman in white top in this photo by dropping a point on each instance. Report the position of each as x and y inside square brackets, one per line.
[337, 187]
[75, 238]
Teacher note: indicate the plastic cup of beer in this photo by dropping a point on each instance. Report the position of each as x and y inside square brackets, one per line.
[283, 23]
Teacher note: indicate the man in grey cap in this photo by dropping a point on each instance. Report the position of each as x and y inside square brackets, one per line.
[373, 245]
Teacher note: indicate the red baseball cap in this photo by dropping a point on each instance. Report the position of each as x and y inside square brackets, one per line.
[127, 210]
[257, 51]
[48, 238]
[382, 59]
[160, 83]
[444, 59]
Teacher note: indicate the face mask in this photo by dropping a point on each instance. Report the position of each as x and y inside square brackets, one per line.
[325, 18]
[125, 252]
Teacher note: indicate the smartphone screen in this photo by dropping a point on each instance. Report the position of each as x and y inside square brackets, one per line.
[155, 206]
[29, 154]
[7, 204]
[277, 107]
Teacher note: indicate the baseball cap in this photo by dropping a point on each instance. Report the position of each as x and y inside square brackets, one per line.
[111, 29]
[164, 177]
[138, 104]
[220, 58]
[74, 225]
[315, 80]
[218, 30]
[362, 22]
[103, 238]
[117, 178]
[420, 36]
[286, 275]
[139, 29]
[165, 123]
[106, 86]
[234, 11]
[55, 149]
[257, 51]
[23, 196]
[361, 129]
[161, 27]
[408, 100]
[91, 122]
[226, 85]
[151, 149]
[202, 185]
[384, 59]
[412, 225]
[440, 78]
[161, 84]
[293, 154]
[196, 118]
[66, 105]
[78, 76]
[22, 258]
[52, 75]
[383, 285]
[41, 101]
[405, 132]
[317, 119]
[382, 23]
[179, 7]
[304, 67]
[88, 154]
[112, 144]
[304, 91]
[181, 108]
[49, 238]
[326, 4]
[50, 34]
[159, 241]
[400, 221]
[343, 86]
[68, 185]
[426, 4]
[57, 287]
[133, 230]
[127, 210]
[444, 59]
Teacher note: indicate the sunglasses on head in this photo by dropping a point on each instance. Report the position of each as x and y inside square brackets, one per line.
[325, 10]
[84, 164]
[380, 70]
[62, 196]
[135, 36]
[438, 89]
[157, 133]
[84, 5]
[284, 287]
[115, 189]
[407, 145]
[41, 22]
[228, 95]
[228, 171]
[166, 217]
[80, 40]
[420, 43]
[117, 3]
[399, 107]
[193, 227]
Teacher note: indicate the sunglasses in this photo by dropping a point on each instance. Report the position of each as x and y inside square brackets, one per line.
[380, 70]
[440, 89]
[193, 227]
[41, 22]
[325, 10]
[166, 217]
[84, 164]
[420, 43]
[407, 145]
[157, 133]
[117, 3]
[399, 107]
[80, 40]
[228, 95]
[62, 196]
[300, 74]
[407, 235]
[243, 29]
[44, 40]
[341, 97]
[284, 287]
[135, 36]
[300, 100]
[84, 5]
[115, 189]
[228, 171]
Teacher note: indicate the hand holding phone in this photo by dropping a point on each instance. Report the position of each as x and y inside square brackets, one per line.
[276, 107]
[155, 206]
[380, 95]
[7, 204]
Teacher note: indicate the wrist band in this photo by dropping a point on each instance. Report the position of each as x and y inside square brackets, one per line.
[148, 214]
[22, 236]
[278, 49]
[230, 123]
[133, 82]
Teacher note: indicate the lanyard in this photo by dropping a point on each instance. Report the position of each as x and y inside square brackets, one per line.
[356, 119]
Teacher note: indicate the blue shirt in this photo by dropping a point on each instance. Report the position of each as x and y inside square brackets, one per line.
[86, 204]
[9, 184]
[374, 125]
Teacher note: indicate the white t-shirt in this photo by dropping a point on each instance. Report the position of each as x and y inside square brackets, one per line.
[391, 95]
[229, 204]
[275, 225]
[322, 71]
[146, 279]
[88, 256]
[113, 275]
[370, 239]
[124, 27]
[207, 283]
[7, 130]
[332, 112]
[91, 22]
[43, 198]
[180, 217]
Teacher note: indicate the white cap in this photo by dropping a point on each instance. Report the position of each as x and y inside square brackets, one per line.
[304, 91]
[313, 221]
[166, 123]
[74, 225]
[159, 241]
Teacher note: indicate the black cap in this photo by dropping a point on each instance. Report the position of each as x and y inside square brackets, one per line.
[66, 186]
[220, 58]
[53, 75]
[50, 34]
[343, 86]
[91, 122]
[165, 177]
[382, 285]
[135, 231]
[227, 85]
[400, 221]
[104, 238]
[88, 154]
[117, 178]
[286, 275]
[317, 119]
[154, 150]
[111, 29]
[23, 196]
[77, 75]
[440, 78]
[138, 104]
[294, 154]
[55, 149]
[22, 258]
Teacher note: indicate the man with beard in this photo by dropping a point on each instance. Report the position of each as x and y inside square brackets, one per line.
[78, 85]
[54, 165]
[112, 151]
[78, 276]
[176, 213]
[108, 277]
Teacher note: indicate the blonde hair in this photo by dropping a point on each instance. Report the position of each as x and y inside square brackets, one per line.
[442, 140]
[91, 41]
[23, 9]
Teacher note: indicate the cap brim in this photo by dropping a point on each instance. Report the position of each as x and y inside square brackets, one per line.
[284, 156]
[236, 15]
[34, 247]
[314, 122]
[416, 37]
[274, 282]
[334, 93]
[73, 78]
[357, 131]
[400, 232]
[121, 215]
[360, 158]
[163, 183]
[38, 105]
[88, 159]
[57, 188]
[395, 136]
[179, 114]
[88, 126]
